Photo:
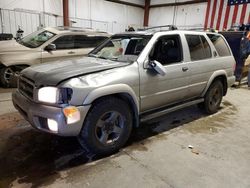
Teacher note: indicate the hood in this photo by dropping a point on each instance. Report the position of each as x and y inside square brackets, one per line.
[11, 46]
[51, 74]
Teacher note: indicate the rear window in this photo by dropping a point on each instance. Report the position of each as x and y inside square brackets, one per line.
[219, 44]
[198, 47]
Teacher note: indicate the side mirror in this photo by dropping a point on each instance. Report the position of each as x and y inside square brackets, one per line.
[50, 47]
[158, 67]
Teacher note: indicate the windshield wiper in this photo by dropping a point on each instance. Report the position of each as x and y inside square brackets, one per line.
[26, 44]
[92, 55]
[20, 42]
[102, 57]
[96, 56]
[113, 58]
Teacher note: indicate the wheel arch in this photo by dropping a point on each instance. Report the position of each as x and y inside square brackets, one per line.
[2, 65]
[121, 91]
[218, 75]
[18, 65]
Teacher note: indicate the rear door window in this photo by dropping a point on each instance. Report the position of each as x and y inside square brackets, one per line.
[219, 44]
[198, 47]
[82, 41]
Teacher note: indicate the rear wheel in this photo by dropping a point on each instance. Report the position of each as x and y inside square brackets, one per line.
[107, 126]
[213, 97]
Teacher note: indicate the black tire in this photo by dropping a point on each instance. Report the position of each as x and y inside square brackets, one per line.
[8, 76]
[107, 127]
[213, 97]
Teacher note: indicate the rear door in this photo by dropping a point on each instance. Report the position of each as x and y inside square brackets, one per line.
[201, 65]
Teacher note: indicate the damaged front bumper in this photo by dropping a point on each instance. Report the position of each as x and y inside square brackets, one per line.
[38, 115]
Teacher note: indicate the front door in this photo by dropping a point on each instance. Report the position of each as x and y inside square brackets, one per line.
[157, 90]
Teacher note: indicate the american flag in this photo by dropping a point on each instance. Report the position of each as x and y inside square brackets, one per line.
[222, 14]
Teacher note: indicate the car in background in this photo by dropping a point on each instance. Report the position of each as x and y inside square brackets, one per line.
[45, 45]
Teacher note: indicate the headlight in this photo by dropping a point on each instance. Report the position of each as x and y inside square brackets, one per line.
[54, 95]
[48, 94]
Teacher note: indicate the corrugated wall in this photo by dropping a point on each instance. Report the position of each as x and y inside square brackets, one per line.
[29, 15]
[183, 16]
[97, 14]
[104, 15]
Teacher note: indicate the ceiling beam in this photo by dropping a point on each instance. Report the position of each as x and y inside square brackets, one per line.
[178, 3]
[126, 3]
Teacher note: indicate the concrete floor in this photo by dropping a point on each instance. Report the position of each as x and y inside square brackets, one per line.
[157, 154]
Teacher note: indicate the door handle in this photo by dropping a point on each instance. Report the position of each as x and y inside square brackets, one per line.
[71, 52]
[184, 69]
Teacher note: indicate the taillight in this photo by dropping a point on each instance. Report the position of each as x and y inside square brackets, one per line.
[234, 67]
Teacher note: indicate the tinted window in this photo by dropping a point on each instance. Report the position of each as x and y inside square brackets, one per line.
[64, 42]
[206, 47]
[198, 47]
[88, 41]
[167, 50]
[219, 44]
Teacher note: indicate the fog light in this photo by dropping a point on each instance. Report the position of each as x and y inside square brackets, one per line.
[72, 114]
[52, 124]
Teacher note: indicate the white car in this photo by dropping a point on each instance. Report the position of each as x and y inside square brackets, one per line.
[49, 44]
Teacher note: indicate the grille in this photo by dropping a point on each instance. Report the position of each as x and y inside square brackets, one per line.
[26, 87]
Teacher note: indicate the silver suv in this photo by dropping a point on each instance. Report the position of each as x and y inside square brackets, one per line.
[131, 78]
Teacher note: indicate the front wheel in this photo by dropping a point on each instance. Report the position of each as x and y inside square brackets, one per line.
[213, 97]
[107, 126]
[8, 76]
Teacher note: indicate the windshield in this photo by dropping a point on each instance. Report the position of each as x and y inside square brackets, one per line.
[36, 39]
[121, 48]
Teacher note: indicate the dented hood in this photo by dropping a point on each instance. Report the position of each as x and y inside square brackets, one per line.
[51, 74]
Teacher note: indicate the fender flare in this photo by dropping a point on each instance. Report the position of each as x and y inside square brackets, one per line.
[24, 64]
[212, 78]
[111, 90]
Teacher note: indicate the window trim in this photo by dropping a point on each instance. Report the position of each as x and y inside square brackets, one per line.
[225, 42]
[74, 36]
[203, 49]
[177, 35]
[52, 42]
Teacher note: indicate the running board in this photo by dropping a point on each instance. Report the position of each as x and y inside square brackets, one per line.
[167, 110]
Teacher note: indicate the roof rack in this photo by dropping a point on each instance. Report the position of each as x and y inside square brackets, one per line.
[170, 27]
[201, 29]
[78, 29]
